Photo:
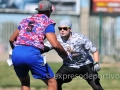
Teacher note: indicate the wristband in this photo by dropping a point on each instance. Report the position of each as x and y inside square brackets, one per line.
[95, 63]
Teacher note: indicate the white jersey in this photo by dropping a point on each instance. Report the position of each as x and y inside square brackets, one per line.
[80, 48]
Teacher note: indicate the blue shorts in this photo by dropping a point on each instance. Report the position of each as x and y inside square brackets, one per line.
[27, 58]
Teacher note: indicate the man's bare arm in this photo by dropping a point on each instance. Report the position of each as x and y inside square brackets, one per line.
[13, 38]
[51, 37]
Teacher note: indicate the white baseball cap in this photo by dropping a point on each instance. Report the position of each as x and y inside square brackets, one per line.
[67, 23]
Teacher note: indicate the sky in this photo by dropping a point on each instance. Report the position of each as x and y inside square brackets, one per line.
[84, 3]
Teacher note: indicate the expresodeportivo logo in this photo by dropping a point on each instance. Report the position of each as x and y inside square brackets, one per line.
[86, 76]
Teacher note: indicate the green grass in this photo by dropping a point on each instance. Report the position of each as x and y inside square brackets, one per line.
[110, 78]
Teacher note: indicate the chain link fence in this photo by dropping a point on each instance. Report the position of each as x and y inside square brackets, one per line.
[110, 39]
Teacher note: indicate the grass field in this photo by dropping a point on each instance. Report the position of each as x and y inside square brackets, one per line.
[109, 74]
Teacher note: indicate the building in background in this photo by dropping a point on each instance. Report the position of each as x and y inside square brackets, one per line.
[13, 11]
[28, 6]
[78, 11]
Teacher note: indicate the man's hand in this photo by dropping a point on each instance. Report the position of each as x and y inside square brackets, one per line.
[96, 67]
[9, 61]
[46, 49]
[68, 58]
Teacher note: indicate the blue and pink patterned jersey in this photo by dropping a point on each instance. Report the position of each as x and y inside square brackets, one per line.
[32, 30]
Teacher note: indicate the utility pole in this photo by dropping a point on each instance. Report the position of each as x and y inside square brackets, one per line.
[100, 35]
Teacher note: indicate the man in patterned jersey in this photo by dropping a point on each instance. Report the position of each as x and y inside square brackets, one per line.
[27, 43]
[82, 64]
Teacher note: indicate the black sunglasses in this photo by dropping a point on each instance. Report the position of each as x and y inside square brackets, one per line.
[64, 28]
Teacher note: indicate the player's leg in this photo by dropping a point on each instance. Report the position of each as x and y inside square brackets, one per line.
[96, 80]
[25, 83]
[21, 69]
[22, 73]
[64, 75]
[95, 84]
[92, 78]
[45, 73]
[51, 83]
[39, 69]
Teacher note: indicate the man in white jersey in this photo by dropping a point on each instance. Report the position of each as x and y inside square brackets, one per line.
[81, 64]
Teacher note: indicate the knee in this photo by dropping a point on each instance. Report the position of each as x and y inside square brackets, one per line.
[25, 81]
[52, 82]
[25, 84]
